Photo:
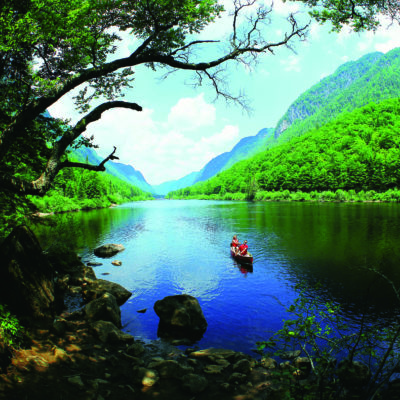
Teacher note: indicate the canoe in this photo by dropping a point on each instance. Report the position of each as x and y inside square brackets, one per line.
[242, 259]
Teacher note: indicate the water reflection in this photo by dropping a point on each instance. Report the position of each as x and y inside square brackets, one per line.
[175, 247]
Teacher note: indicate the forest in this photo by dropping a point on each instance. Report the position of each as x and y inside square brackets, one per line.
[79, 190]
[355, 157]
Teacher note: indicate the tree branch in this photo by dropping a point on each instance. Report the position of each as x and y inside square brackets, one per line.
[54, 163]
[139, 56]
[100, 167]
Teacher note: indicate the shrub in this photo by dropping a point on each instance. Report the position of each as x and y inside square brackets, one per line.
[10, 330]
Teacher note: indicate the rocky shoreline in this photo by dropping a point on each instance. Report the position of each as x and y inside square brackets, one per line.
[74, 347]
[83, 354]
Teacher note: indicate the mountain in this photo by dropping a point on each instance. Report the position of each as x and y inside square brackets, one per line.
[372, 78]
[245, 148]
[122, 171]
[187, 180]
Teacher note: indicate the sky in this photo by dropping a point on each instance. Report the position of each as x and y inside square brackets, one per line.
[182, 127]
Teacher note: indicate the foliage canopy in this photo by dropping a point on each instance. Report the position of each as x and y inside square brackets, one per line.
[49, 48]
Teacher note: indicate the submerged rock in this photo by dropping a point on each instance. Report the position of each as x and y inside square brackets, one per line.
[94, 264]
[108, 250]
[180, 317]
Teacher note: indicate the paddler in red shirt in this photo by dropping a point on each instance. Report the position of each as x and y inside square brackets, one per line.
[243, 248]
[235, 244]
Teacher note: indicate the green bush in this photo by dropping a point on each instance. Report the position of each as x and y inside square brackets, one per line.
[11, 331]
[317, 328]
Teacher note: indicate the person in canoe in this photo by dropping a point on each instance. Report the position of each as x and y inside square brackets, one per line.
[243, 248]
[235, 244]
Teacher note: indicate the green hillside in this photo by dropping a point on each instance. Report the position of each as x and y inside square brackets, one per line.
[373, 78]
[359, 151]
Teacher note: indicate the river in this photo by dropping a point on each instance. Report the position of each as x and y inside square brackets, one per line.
[175, 247]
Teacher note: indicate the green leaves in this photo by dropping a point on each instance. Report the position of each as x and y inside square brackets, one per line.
[11, 331]
[359, 14]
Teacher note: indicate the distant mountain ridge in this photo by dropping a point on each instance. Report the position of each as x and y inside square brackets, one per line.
[372, 78]
[123, 171]
[245, 148]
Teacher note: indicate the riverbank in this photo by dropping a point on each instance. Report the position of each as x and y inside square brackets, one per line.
[59, 204]
[370, 196]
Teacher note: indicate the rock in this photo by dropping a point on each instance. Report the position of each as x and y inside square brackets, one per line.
[60, 326]
[27, 278]
[94, 264]
[225, 386]
[142, 311]
[220, 361]
[104, 308]
[83, 275]
[169, 369]
[286, 366]
[107, 332]
[97, 288]
[213, 353]
[77, 381]
[116, 263]
[290, 355]
[108, 250]
[146, 376]
[269, 363]
[194, 383]
[213, 369]
[242, 366]
[180, 317]
[237, 377]
[135, 349]
[303, 366]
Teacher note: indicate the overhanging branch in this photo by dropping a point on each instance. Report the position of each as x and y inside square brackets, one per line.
[100, 167]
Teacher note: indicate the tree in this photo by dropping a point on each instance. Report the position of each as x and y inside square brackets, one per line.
[360, 14]
[49, 48]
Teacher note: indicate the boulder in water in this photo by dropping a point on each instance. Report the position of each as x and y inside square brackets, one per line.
[180, 317]
[108, 250]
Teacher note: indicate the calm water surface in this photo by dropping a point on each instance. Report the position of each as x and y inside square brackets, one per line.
[175, 247]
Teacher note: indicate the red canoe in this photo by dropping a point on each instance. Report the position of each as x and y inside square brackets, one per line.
[242, 259]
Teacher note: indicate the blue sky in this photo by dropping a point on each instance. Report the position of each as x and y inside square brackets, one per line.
[181, 128]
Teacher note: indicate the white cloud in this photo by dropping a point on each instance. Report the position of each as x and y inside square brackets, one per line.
[164, 150]
[292, 63]
[190, 114]
[388, 37]
[315, 31]
[387, 46]
[284, 8]
[344, 35]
